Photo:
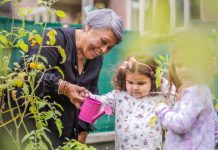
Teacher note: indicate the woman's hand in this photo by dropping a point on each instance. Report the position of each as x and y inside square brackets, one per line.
[74, 92]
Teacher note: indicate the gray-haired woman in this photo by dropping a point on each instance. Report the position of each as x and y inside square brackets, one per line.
[84, 48]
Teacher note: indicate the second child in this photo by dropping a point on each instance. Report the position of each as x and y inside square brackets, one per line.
[190, 123]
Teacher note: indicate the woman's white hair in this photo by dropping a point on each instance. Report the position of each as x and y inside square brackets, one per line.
[105, 19]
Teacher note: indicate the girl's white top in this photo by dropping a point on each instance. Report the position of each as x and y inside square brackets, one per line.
[134, 129]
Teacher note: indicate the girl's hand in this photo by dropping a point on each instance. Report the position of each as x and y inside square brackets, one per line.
[84, 93]
[160, 106]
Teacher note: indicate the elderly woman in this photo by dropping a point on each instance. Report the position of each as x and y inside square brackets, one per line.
[84, 48]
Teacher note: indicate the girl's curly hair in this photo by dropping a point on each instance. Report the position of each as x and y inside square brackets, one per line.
[145, 65]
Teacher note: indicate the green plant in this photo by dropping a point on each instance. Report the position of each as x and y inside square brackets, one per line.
[19, 85]
[73, 144]
[162, 69]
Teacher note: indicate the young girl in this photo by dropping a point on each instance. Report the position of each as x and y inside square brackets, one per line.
[133, 104]
[191, 123]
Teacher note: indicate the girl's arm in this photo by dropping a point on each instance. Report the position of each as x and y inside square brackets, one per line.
[107, 99]
[190, 106]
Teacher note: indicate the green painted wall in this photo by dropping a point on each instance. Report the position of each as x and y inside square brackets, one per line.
[131, 43]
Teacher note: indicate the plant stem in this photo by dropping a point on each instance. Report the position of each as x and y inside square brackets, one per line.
[9, 49]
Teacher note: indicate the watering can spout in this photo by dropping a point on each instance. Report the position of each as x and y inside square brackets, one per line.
[97, 116]
[107, 110]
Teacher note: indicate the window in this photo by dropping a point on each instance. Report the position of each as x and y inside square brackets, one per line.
[148, 16]
[133, 15]
[195, 9]
[139, 17]
[182, 11]
[179, 14]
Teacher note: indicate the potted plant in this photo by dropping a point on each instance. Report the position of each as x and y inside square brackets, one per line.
[22, 79]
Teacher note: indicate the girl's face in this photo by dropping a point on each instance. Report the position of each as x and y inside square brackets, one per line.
[138, 85]
[96, 42]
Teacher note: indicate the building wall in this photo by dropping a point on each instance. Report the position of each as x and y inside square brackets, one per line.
[104, 146]
[24, 4]
[120, 8]
[71, 12]
[209, 10]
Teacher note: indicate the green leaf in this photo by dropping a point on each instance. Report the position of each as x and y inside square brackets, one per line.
[22, 11]
[158, 61]
[22, 45]
[38, 38]
[47, 42]
[16, 64]
[57, 112]
[27, 136]
[43, 58]
[42, 104]
[3, 40]
[29, 146]
[11, 75]
[1, 46]
[52, 34]
[159, 75]
[157, 82]
[22, 32]
[59, 70]
[25, 89]
[4, 1]
[42, 145]
[59, 106]
[3, 86]
[2, 77]
[161, 57]
[52, 41]
[62, 53]
[47, 96]
[34, 31]
[32, 73]
[46, 138]
[152, 121]
[60, 13]
[59, 126]
[216, 106]
[48, 115]
[92, 148]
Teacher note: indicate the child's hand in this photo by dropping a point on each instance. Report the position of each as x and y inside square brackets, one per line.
[159, 107]
[161, 104]
[168, 101]
[84, 93]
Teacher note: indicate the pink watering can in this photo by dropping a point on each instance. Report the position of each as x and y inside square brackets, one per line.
[90, 110]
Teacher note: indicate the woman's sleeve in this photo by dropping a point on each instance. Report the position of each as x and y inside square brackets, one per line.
[191, 104]
[49, 81]
[94, 86]
[107, 99]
